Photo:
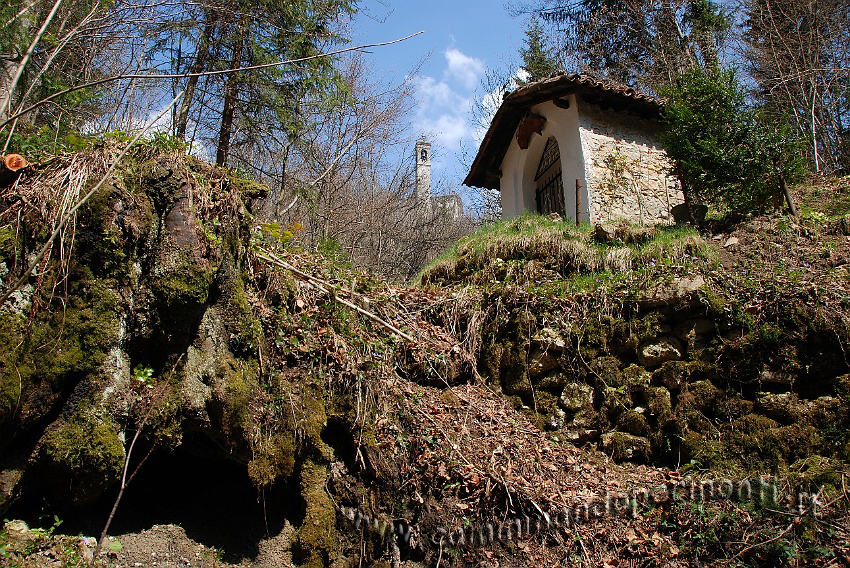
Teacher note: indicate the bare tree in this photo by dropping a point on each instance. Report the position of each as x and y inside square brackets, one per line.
[352, 176]
[799, 55]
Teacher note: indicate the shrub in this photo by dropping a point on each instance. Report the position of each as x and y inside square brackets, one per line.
[725, 151]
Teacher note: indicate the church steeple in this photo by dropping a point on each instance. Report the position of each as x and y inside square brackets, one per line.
[423, 170]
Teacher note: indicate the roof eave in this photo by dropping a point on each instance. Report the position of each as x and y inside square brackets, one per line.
[485, 169]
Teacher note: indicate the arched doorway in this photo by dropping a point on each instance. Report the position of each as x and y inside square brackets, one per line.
[549, 181]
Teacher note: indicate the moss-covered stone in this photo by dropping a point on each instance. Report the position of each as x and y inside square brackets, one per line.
[516, 382]
[635, 377]
[317, 539]
[160, 182]
[676, 374]
[656, 352]
[233, 388]
[46, 356]
[540, 362]
[491, 359]
[625, 447]
[249, 189]
[607, 370]
[783, 407]
[706, 396]
[813, 472]
[659, 403]
[615, 402]
[576, 397]
[704, 452]
[273, 459]
[553, 382]
[633, 422]
[185, 284]
[86, 450]
[626, 335]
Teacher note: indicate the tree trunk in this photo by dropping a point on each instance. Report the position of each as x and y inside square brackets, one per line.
[197, 67]
[10, 168]
[787, 195]
[231, 90]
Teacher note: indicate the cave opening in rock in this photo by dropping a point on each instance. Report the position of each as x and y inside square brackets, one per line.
[194, 486]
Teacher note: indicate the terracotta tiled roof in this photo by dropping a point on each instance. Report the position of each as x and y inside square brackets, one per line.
[485, 169]
[557, 83]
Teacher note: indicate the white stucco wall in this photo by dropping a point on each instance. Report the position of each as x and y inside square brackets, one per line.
[591, 141]
[519, 166]
[627, 170]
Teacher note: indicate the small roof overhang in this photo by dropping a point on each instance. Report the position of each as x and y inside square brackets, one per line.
[486, 169]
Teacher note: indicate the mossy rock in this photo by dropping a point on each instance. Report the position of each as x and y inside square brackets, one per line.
[184, 285]
[626, 335]
[660, 405]
[633, 422]
[705, 453]
[813, 472]
[553, 382]
[274, 458]
[576, 397]
[784, 407]
[677, 374]
[235, 384]
[317, 540]
[491, 360]
[249, 189]
[546, 403]
[615, 402]
[85, 451]
[79, 331]
[541, 362]
[625, 447]
[516, 382]
[161, 184]
[706, 396]
[655, 352]
[586, 418]
[761, 442]
[607, 370]
[733, 407]
[635, 377]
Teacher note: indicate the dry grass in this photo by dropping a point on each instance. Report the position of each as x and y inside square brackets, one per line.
[523, 249]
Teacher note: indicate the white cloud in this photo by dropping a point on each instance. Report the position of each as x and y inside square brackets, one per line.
[436, 94]
[445, 102]
[449, 130]
[464, 68]
[493, 100]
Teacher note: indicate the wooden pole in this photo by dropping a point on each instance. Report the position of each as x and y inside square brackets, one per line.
[578, 202]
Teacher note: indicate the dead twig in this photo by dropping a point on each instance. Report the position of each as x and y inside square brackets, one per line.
[333, 291]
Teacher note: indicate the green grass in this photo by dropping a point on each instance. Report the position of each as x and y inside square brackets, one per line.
[532, 250]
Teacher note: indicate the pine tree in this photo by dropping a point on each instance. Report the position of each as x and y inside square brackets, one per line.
[536, 58]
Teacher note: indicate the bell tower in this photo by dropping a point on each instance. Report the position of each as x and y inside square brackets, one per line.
[423, 171]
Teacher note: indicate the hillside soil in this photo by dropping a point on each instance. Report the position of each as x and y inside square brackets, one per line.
[546, 394]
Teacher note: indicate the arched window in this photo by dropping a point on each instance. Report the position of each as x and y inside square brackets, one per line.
[424, 155]
[549, 182]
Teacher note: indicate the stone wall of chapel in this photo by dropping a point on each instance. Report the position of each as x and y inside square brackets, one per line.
[628, 173]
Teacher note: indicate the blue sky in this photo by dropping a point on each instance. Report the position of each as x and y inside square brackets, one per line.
[462, 39]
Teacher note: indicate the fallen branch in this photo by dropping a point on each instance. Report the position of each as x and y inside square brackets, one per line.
[333, 291]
